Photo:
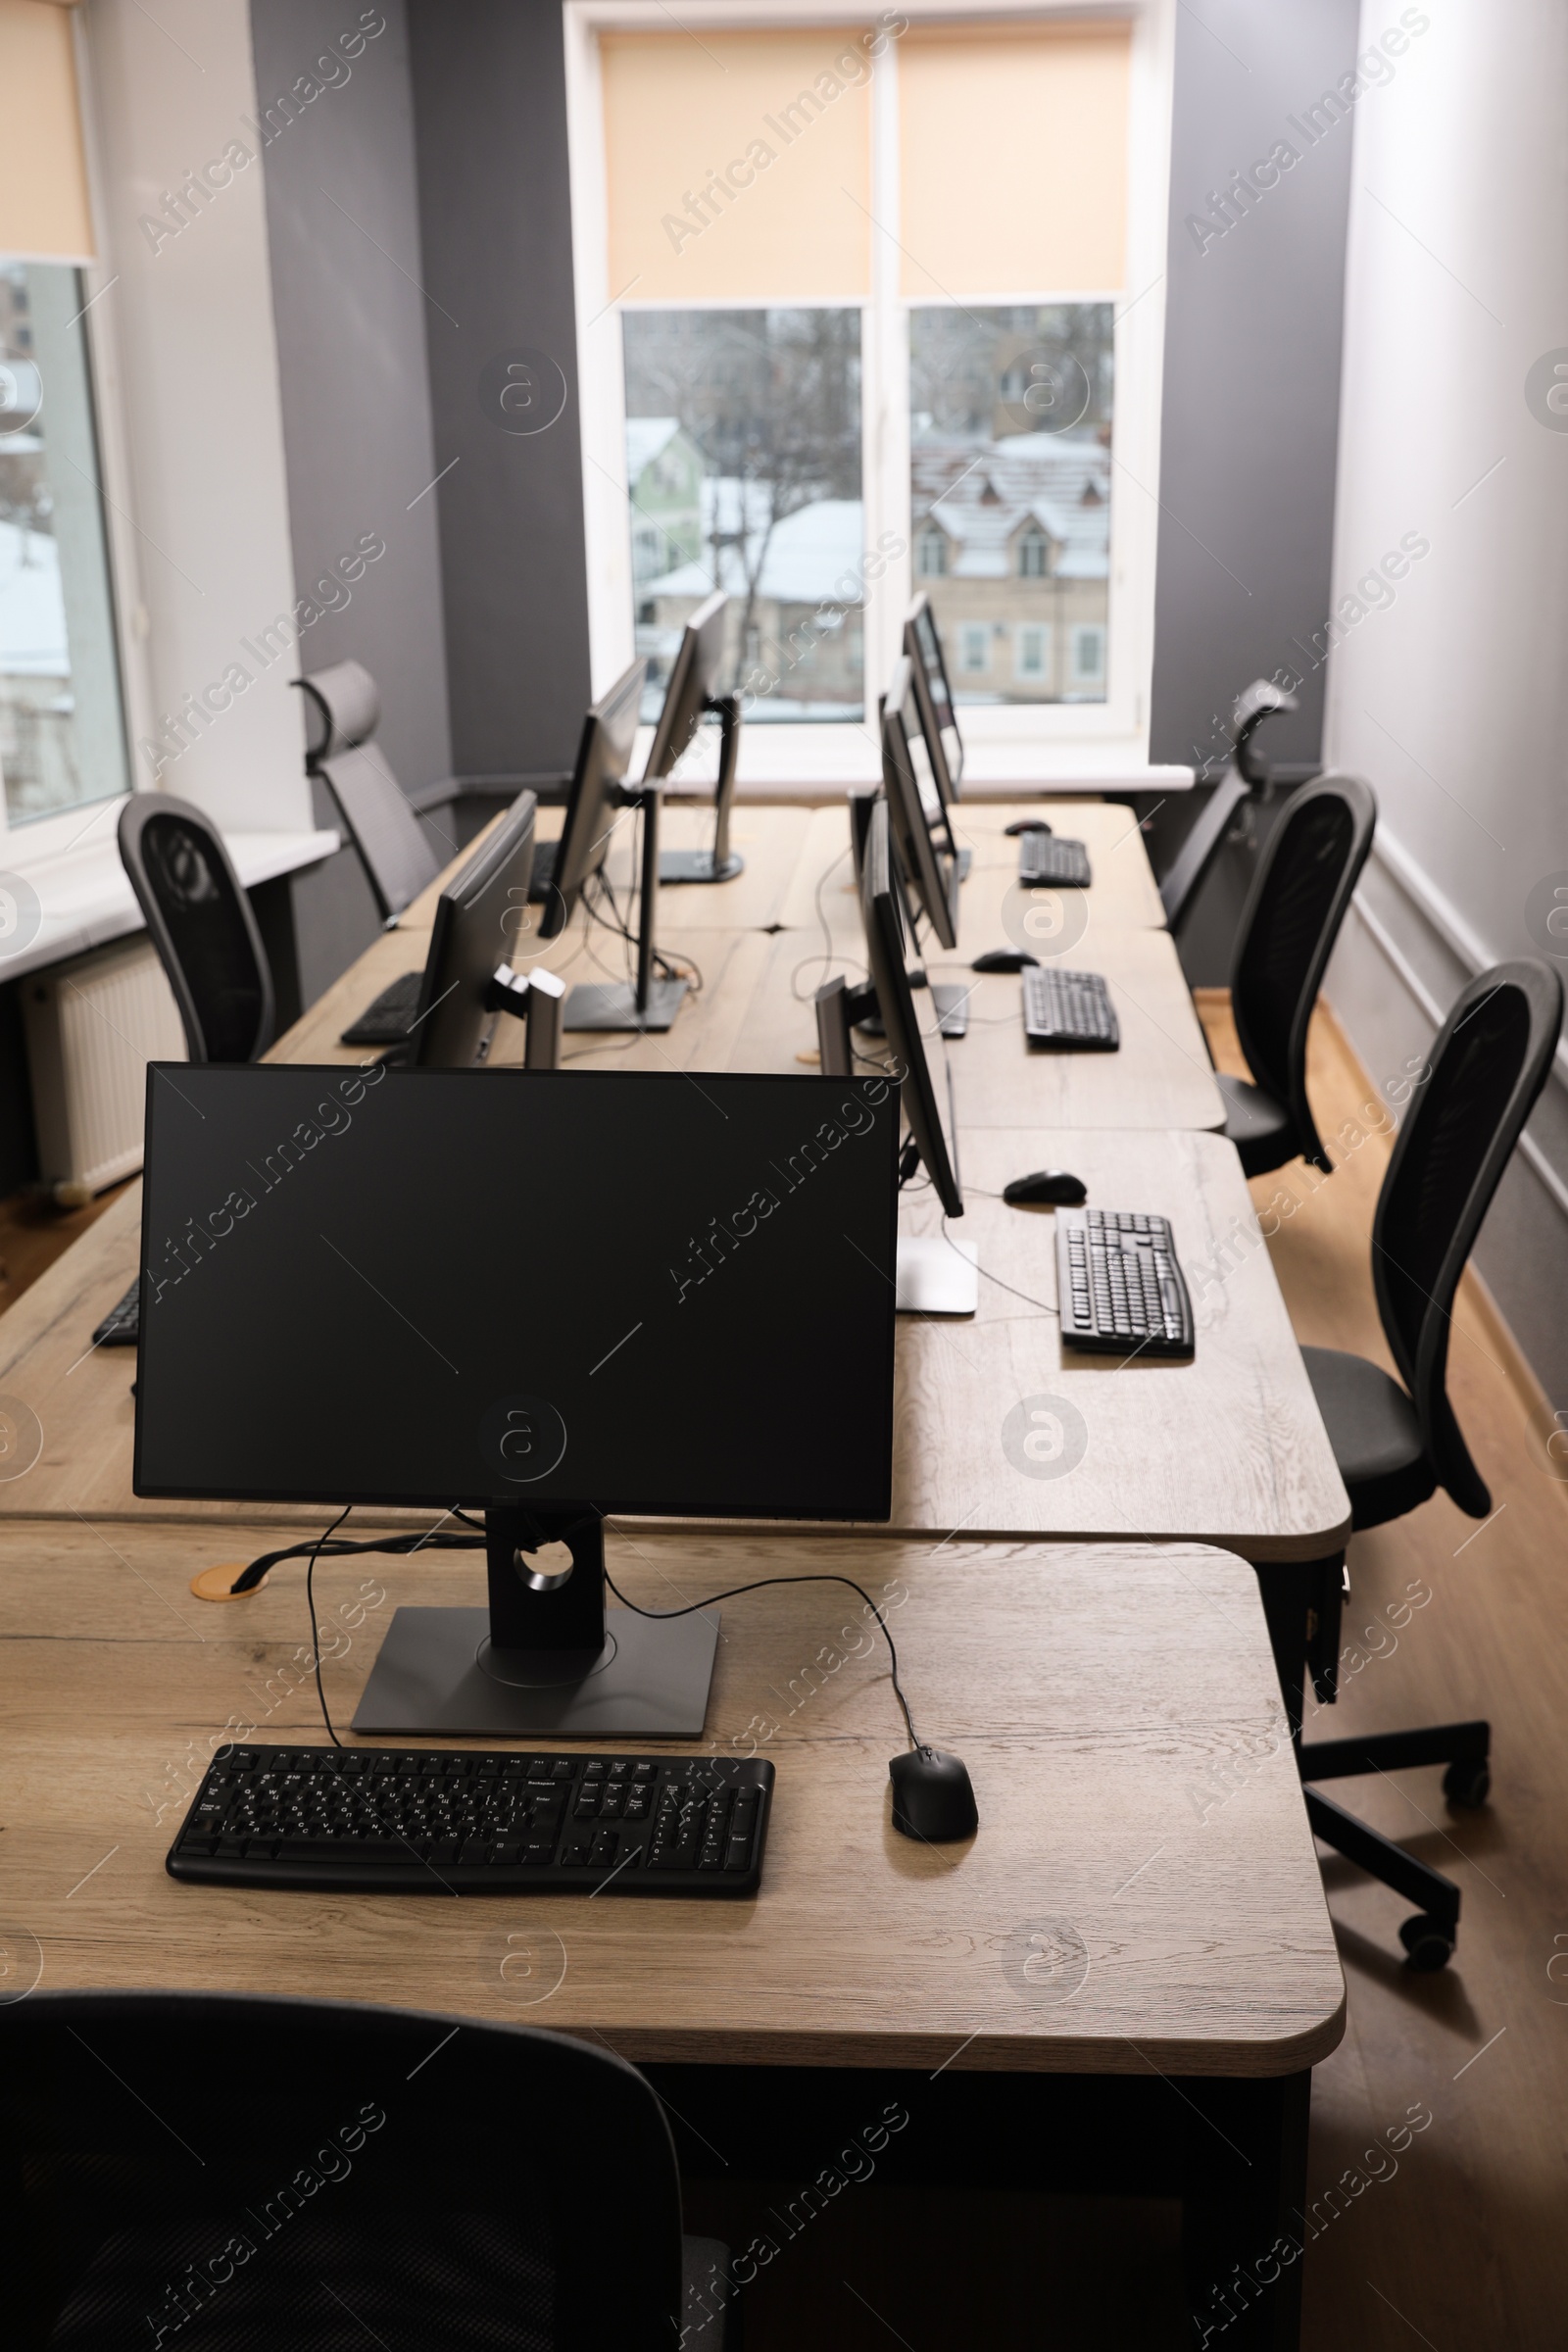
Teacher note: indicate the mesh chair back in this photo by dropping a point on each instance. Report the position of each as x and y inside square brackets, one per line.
[1489, 1064]
[320, 2175]
[200, 923]
[342, 708]
[1289, 925]
[394, 847]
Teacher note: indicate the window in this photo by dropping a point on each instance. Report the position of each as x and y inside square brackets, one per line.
[1087, 656]
[780, 226]
[742, 468]
[1031, 659]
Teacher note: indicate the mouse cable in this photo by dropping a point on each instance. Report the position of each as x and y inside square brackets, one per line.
[310, 1598]
[1043, 1306]
[692, 1608]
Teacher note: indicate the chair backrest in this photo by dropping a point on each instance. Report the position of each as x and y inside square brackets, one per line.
[315, 2173]
[394, 847]
[200, 921]
[1289, 925]
[1244, 779]
[342, 706]
[342, 709]
[1488, 1067]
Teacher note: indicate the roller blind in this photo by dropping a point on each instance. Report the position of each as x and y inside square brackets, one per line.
[1013, 159]
[44, 212]
[739, 166]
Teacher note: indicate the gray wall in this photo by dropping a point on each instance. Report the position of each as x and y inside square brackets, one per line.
[1249, 422]
[496, 215]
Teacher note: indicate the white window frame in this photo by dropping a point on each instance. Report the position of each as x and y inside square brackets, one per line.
[1002, 740]
[91, 824]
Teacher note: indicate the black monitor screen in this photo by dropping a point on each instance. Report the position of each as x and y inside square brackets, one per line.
[475, 927]
[923, 645]
[633, 1291]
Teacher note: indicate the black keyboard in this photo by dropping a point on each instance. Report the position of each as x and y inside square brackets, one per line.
[121, 1326]
[1047, 858]
[389, 1020]
[442, 1821]
[1072, 1010]
[1118, 1286]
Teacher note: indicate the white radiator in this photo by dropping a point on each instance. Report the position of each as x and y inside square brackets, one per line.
[93, 1025]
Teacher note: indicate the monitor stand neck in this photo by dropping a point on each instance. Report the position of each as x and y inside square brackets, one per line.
[545, 1659]
[651, 1004]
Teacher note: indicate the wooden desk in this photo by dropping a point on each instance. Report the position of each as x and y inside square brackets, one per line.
[991, 906]
[1131, 1965]
[1160, 1077]
[1229, 1449]
[1062, 1678]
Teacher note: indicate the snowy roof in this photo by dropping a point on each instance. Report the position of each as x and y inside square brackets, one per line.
[32, 612]
[814, 556]
[646, 437]
[983, 493]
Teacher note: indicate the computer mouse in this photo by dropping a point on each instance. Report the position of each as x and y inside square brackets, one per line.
[1051, 1186]
[1029, 824]
[1002, 959]
[932, 1799]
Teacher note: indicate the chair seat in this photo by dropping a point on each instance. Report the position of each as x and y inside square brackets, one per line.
[1375, 1434]
[1259, 1127]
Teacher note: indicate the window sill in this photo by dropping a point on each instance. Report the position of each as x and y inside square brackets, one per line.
[85, 899]
[818, 763]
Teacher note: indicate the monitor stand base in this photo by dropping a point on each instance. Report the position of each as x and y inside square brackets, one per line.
[438, 1675]
[612, 1004]
[697, 865]
[948, 997]
[936, 1276]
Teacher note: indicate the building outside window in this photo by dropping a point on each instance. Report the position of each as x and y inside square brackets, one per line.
[849, 302]
[1032, 651]
[62, 729]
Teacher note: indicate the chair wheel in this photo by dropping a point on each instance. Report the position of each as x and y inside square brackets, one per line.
[1468, 1782]
[1427, 1943]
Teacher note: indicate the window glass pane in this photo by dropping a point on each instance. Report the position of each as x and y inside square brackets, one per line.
[62, 736]
[742, 465]
[1010, 421]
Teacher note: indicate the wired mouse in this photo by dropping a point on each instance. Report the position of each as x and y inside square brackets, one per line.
[1002, 959]
[1052, 1187]
[1029, 824]
[932, 1797]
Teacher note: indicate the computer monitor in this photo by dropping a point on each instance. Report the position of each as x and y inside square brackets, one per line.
[922, 642]
[474, 930]
[693, 689]
[916, 806]
[596, 1292]
[603, 754]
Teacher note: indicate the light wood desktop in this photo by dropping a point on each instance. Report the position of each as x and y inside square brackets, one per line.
[992, 908]
[1062, 1678]
[1228, 1448]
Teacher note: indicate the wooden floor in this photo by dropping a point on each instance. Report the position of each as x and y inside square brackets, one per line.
[1461, 2241]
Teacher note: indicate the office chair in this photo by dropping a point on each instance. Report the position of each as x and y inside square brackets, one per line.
[319, 2173]
[200, 921]
[1289, 925]
[342, 709]
[1245, 779]
[1396, 1446]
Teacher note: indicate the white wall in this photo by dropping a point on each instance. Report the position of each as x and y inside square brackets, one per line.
[1453, 699]
[193, 326]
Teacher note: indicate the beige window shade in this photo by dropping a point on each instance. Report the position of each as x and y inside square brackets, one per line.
[44, 214]
[1013, 159]
[739, 168]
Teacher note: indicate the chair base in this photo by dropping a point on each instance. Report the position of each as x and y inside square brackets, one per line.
[1302, 1605]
